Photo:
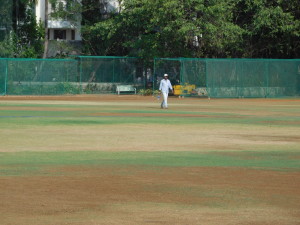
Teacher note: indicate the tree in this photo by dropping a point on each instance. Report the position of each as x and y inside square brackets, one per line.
[6, 9]
[272, 28]
[69, 10]
[167, 28]
[26, 38]
[188, 28]
[30, 36]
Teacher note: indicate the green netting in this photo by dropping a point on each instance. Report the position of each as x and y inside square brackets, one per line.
[252, 77]
[284, 78]
[188, 76]
[84, 75]
[171, 67]
[3, 70]
[218, 85]
[192, 77]
[231, 77]
[104, 74]
[193, 72]
[5, 17]
[41, 77]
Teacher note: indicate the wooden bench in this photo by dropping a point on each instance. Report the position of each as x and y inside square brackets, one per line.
[125, 89]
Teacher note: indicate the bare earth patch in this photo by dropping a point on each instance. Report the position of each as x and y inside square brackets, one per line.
[141, 195]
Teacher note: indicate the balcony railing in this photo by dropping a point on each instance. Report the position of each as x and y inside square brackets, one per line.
[58, 24]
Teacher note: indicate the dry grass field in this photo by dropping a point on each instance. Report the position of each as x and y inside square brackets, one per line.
[107, 159]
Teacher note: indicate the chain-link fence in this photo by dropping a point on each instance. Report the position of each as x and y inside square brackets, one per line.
[230, 77]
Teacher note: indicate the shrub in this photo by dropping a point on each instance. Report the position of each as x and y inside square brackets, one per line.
[148, 92]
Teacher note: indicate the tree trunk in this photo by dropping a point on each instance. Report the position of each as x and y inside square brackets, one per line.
[46, 43]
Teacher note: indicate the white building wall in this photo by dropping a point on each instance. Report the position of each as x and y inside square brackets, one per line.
[40, 10]
[78, 34]
[112, 5]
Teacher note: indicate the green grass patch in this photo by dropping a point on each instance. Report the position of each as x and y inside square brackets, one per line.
[31, 162]
[72, 118]
[77, 114]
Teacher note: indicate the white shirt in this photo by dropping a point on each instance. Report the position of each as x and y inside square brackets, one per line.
[165, 85]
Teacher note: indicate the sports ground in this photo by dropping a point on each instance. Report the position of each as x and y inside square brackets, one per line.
[108, 159]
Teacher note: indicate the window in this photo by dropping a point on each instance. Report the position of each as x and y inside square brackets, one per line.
[69, 4]
[60, 34]
[61, 6]
[53, 5]
[73, 35]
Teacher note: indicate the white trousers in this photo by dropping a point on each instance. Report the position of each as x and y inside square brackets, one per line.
[164, 103]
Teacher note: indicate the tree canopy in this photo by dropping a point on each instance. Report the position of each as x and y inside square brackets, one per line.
[24, 38]
[182, 28]
[198, 28]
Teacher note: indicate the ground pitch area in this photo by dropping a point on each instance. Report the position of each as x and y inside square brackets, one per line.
[81, 160]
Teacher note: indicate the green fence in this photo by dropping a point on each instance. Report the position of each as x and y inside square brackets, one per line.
[104, 74]
[83, 75]
[231, 77]
[38, 77]
[3, 76]
[190, 77]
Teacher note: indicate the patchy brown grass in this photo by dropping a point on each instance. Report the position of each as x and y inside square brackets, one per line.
[93, 195]
[137, 195]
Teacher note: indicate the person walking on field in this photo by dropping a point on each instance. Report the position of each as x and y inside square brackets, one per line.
[164, 87]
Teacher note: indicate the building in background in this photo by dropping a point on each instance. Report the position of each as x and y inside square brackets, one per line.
[58, 29]
[64, 35]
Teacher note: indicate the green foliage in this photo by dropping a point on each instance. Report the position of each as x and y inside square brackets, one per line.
[5, 18]
[66, 88]
[166, 28]
[6, 48]
[145, 92]
[272, 28]
[29, 37]
[198, 28]
[70, 10]
[42, 89]
[148, 92]
[26, 41]
[90, 88]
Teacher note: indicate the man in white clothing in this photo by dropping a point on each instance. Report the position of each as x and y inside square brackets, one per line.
[164, 87]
